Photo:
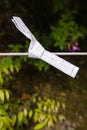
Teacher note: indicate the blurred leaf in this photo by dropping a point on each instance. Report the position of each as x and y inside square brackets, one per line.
[5, 70]
[11, 67]
[36, 116]
[30, 113]
[38, 126]
[34, 100]
[7, 95]
[14, 119]
[55, 118]
[20, 117]
[17, 68]
[1, 79]
[25, 112]
[2, 96]
[1, 124]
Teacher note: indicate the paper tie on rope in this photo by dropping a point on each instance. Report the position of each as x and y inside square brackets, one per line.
[36, 50]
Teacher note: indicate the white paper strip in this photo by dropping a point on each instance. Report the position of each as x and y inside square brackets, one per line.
[36, 50]
[60, 63]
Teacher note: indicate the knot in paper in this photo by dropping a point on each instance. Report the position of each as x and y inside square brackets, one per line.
[35, 50]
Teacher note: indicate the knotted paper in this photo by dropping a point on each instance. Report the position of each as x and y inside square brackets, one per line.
[36, 50]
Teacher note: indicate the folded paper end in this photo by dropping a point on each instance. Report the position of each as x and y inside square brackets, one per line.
[20, 25]
[74, 72]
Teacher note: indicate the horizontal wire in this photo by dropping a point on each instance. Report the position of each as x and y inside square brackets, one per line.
[56, 53]
[14, 54]
[71, 53]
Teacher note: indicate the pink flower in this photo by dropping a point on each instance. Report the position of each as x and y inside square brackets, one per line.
[74, 47]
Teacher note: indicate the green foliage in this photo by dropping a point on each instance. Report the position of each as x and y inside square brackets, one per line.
[5, 120]
[66, 31]
[43, 112]
[4, 94]
[7, 67]
[30, 113]
[59, 5]
[46, 114]
[39, 126]
[41, 65]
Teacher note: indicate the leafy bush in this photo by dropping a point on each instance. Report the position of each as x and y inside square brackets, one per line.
[47, 113]
[66, 31]
[7, 67]
[43, 112]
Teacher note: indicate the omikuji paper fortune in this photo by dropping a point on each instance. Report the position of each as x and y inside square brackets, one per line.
[36, 50]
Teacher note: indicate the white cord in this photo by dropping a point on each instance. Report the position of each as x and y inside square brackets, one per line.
[56, 53]
[71, 53]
